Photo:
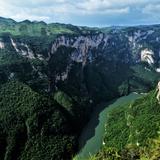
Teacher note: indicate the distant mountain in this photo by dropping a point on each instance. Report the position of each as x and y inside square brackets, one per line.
[36, 28]
[73, 68]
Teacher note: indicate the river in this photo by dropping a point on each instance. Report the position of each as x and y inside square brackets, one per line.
[91, 138]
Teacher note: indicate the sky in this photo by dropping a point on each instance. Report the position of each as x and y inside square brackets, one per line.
[98, 13]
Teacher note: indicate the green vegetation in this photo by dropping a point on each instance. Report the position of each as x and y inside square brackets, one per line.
[28, 28]
[132, 131]
[46, 98]
[16, 67]
[63, 99]
[32, 28]
[136, 123]
[33, 126]
[94, 142]
[151, 152]
[144, 78]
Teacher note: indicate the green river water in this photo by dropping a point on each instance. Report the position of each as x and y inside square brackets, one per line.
[92, 136]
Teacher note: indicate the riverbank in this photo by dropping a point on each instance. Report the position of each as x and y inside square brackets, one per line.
[91, 138]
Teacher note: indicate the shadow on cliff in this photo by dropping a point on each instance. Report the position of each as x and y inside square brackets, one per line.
[90, 129]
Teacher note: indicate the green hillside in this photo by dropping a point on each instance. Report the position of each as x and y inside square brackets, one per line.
[31, 28]
[52, 76]
[132, 131]
[33, 126]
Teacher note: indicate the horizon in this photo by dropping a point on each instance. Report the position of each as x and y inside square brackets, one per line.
[32, 21]
[91, 13]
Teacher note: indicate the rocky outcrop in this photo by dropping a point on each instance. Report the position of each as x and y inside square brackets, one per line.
[14, 45]
[158, 92]
[2, 45]
[116, 45]
[147, 56]
[128, 46]
[23, 49]
[84, 45]
[104, 58]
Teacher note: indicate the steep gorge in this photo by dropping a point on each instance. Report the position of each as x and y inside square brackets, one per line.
[73, 71]
[116, 47]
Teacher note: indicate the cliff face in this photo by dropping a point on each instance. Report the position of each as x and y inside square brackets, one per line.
[128, 45]
[94, 56]
[87, 47]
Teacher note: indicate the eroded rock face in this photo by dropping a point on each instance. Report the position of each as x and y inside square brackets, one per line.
[83, 45]
[105, 51]
[158, 70]
[14, 45]
[111, 46]
[147, 56]
[22, 49]
[158, 90]
[2, 45]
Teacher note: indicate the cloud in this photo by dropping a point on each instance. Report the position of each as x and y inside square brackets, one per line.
[84, 12]
[151, 9]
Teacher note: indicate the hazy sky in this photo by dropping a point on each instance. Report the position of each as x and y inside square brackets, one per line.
[84, 12]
